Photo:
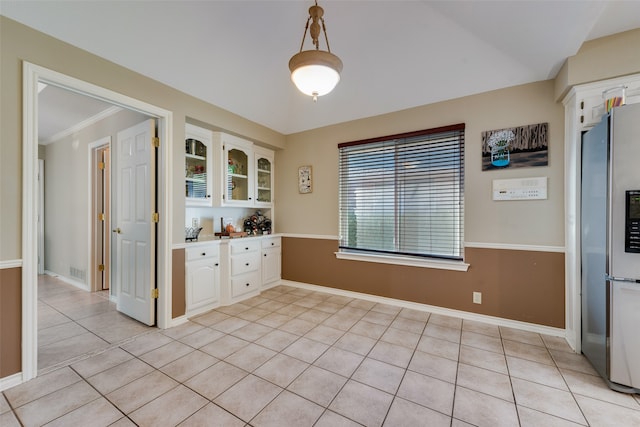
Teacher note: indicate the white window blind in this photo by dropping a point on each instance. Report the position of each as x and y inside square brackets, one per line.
[403, 194]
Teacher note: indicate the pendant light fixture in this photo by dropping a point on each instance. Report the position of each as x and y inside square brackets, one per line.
[315, 72]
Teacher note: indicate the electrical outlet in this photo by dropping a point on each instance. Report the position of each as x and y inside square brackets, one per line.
[477, 297]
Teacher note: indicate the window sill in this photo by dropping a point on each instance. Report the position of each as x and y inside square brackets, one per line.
[408, 261]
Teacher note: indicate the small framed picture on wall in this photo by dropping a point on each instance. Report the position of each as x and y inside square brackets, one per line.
[304, 180]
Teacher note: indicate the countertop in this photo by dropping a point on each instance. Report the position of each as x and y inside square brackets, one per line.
[210, 238]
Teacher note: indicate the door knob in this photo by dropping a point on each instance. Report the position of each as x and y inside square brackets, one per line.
[117, 230]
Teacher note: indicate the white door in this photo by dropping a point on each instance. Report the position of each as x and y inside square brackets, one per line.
[135, 230]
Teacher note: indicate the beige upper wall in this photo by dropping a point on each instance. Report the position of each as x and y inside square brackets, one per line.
[537, 222]
[600, 59]
[19, 43]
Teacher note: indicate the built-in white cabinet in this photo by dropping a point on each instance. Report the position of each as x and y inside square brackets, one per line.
[202, 270]
[244, 266]
[271, 260]
[264, 177]
[200, 167]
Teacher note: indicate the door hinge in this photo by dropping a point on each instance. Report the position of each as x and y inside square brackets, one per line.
[155, 217]
[101, 165]
[155, 141]
[101, 216]
[581, 119]
[155, 293]
[101, 267]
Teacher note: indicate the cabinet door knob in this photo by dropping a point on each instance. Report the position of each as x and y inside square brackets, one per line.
[208, 196]
[265, 255]
[248, 284]
[246, 249]
[204, 253]
[217, 264]
[247, 264]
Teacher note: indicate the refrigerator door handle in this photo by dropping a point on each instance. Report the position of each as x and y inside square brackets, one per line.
[620, 279]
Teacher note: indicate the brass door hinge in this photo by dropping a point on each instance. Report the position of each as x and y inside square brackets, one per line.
[155, 141]
[101, 165]
[101, 216]
[101, 267]
[155, 217]
[155, 293]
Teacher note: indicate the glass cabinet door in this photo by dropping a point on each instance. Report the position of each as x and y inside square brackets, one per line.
[264, 179]
[196, 171]
[237, 175]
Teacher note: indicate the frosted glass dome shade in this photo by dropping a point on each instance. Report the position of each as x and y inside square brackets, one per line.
[315, 72]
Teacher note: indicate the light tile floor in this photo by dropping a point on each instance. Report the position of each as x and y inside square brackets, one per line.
[293, 357]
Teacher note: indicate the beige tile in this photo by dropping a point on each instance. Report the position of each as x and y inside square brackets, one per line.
[41, 386]
[273, 320]
[187, 366]
[145, 343]
[49, 316]
[341, 321]
[339, 300]
[439, 347]
[307, 302]
[379, 318]
[54, 405]
[572, 361]
[355, 343]
[362, 403]
[69, 348]
[533, 418]
[352, 312]
[481, 328]
[281, 370]
[8, 419]
[277, 340]
[386, 308]
[324, 334]
[306, 350]
[404, 413]
[458, 423]
[201, 338]
[233, 309]
[327, 307]
[96, 413]
[318, 385]
[214, 380]
[595, 387]
[528, 352]
[314, 316]
[248, 397]
[427, 391]
[536, 372]
[229, 325]
[556, 343]
[380, 375]
[288, 409]
[253, 314]
[434, 366]
[391, 353]
[250, 357]
[271, 305]
[120, 375]
[482, 410]
[546, 399]
[331, 419]
[252, 332]
[4, 405]
[441, 332]
[210, 318]
[292, 310]
[255, 301]
[212, 416]
[224, 346]
[484, 342]
[409, 325]
[420, 316]
[169, 409]
[141, 391]
[101, 362]
[339, 361]
[368, 329]
[446, 321]
[60, 332]
[519, 335]
[362, 304]
[119, 332]
[483, 359]
[297, 326]
[400, 337]
[485, 381]
[599, 413]
[166, 354]
[287, 298]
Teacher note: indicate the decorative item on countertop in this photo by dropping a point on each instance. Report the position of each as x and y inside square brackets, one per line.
[191, 233]
[228, 230]
[257, 224]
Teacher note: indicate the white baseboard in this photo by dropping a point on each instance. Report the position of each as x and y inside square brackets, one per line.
[499, 321]
[68, 280]
[10, 381]
[178, 321]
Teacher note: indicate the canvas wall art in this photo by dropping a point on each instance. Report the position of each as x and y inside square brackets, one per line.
[522, 146]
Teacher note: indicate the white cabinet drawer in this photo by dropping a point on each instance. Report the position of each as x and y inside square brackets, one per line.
[202, 252]
[270, 242]
[245, 246]
[241, 264]
[245, 283]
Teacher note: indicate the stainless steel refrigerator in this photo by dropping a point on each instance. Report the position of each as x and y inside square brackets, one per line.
[610, 243]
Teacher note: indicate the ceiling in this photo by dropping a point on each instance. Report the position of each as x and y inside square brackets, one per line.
[397, 54]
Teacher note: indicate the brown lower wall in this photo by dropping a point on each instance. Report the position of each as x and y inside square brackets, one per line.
[178, 295]
[520, 285]
[10, 321]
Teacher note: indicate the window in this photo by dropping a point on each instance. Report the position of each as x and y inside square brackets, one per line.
[402, 195]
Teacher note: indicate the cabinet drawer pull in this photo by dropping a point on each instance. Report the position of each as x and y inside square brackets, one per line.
[246, 249]
[217, 264]
[265, 255]
[204, 254]
[247, 264]
[272, 243]
[248, 284]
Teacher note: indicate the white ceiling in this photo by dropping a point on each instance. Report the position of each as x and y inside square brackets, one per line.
[397, 54]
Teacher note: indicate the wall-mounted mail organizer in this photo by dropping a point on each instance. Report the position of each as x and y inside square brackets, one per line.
[520, 189]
